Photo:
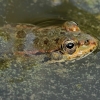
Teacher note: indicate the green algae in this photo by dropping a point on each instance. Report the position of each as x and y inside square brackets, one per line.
[5, 63]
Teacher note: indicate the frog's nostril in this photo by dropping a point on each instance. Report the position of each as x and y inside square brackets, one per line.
[86, 42]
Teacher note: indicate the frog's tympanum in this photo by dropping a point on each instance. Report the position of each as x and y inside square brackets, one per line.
[65, 41]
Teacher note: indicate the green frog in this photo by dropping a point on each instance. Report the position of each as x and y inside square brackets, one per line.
[60, 42]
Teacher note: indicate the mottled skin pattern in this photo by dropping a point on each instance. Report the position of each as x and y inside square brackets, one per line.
[62, 42]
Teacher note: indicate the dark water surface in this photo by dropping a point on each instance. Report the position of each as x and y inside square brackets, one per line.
[32, 78]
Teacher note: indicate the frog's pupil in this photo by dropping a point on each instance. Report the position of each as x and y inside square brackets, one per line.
[70, 45]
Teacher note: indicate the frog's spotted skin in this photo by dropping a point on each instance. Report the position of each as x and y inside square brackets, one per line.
[64, 42]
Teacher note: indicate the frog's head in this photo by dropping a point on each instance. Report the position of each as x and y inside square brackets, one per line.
[78, 46]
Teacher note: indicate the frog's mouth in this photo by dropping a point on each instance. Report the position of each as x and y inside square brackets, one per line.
[73, 49]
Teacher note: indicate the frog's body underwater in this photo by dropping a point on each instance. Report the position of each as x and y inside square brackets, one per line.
[62, 42]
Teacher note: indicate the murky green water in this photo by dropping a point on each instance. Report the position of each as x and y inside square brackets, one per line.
[30, 77]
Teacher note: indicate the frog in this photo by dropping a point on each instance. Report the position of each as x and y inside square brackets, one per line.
[62, 42]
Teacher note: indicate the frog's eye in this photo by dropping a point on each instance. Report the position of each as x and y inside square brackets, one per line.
[69, 47]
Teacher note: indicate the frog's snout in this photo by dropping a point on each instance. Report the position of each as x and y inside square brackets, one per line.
[87, 42]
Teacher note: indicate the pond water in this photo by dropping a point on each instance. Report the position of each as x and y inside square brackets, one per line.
[30, 77]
